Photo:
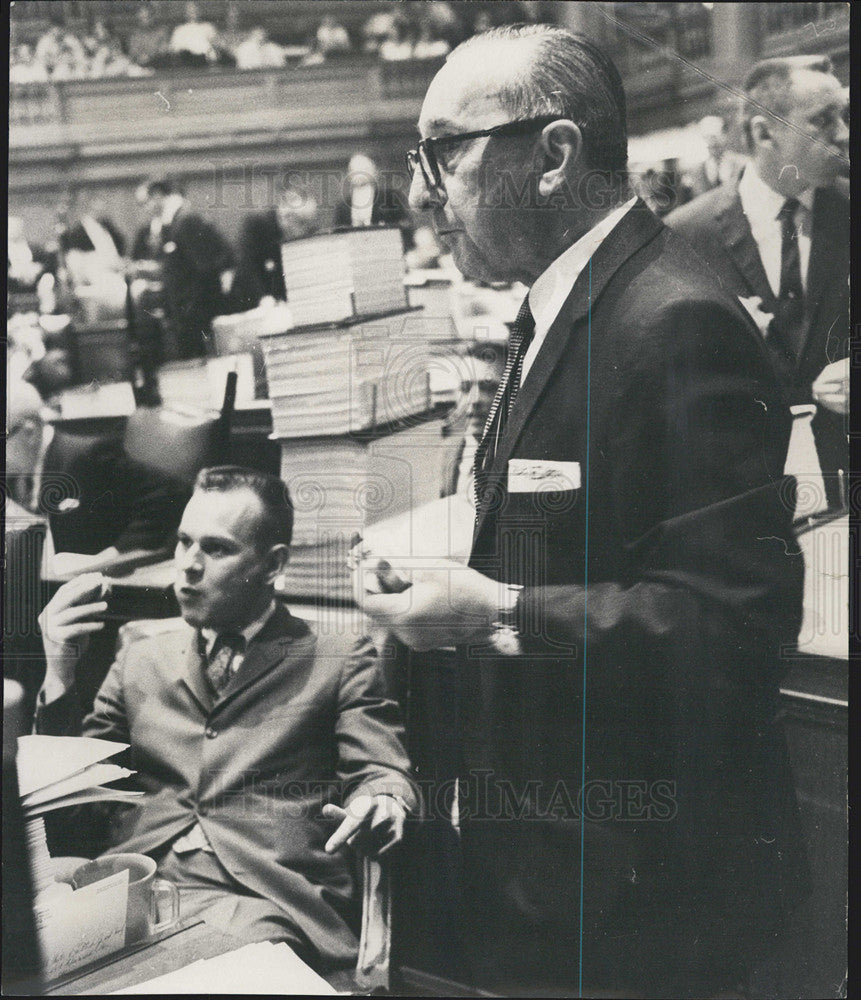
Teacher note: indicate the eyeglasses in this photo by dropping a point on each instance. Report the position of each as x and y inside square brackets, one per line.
[425, 154]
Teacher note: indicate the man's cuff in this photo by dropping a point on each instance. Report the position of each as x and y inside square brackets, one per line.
[52, 690]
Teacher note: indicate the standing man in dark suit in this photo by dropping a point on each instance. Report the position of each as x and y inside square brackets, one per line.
[248, 731]
[781, 235]
[369, 201]
[627, 816]
[97, 500]
[197, 267]
[260, 271]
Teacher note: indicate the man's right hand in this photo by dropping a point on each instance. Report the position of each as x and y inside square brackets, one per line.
[67, 622]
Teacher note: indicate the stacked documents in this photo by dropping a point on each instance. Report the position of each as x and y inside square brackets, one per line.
[341, 484]
[335, 276]
[340, 380]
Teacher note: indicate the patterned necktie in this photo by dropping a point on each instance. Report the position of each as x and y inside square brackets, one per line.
[522, 332]
[790, 304]
[217, 670]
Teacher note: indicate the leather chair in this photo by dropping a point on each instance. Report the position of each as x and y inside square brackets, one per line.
[181, 443]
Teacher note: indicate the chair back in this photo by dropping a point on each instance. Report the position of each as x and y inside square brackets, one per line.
[181, 443]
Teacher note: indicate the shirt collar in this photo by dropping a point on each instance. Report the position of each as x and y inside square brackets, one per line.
[248, 633]
[551, 288]
[761, 203]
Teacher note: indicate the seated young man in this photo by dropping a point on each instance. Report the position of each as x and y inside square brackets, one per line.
[249, 732]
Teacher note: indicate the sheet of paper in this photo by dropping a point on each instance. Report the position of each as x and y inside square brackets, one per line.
[79, 798]
[98, 774]
[44, 760]
[81, 926]
[266, 968]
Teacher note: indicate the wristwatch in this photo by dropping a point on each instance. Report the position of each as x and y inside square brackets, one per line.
[506, 627]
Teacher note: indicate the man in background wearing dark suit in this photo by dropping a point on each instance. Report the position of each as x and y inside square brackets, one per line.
[369, 201]
[97, 500]
[627, 814]
[260, 271]
[197, 271]
[781, 235]
[249, 732]
[484, 364]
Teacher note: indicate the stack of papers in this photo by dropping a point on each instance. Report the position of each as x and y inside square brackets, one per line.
[267, 969]
[59, 771]
[341, 484]
[331, 277]
[336, 381]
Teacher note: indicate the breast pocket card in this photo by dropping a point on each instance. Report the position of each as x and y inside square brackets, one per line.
[528, 475]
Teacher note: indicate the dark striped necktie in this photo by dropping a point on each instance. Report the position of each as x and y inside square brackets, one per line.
[218, 664]
[790, 303]
[522, 332]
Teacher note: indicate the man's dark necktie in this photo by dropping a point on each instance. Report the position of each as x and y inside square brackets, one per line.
[217, 669]
[522, 332]
[790, 303]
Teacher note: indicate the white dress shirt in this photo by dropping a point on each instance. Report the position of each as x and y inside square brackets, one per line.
[553, 286]
[362, 204]
[762, 204]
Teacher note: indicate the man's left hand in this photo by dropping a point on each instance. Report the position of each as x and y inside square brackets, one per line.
[372, 824]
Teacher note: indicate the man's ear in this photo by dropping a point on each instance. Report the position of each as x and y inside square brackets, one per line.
[760, 131]
[562, 142]
[275, 561]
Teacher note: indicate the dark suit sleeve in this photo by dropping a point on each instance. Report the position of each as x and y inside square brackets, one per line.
[203, 246]
[369, 733]
[705, 523]
[107, 718]
[248, 286]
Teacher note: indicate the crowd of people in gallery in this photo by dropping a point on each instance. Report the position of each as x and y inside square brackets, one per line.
[62, 52]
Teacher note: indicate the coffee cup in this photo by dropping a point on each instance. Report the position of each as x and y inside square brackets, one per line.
[153, 903]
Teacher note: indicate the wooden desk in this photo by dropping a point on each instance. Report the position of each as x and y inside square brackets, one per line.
[167, 953]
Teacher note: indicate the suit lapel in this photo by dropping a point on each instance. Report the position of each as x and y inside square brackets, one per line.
[192, 671]
[742, 249]
[635, 229]
[826, 245]
[265, 652]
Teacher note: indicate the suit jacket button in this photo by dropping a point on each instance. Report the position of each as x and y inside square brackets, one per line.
[210, 733]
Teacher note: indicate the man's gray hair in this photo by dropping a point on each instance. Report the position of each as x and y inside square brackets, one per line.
[572, 78]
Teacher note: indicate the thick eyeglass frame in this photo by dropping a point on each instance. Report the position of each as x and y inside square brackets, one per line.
[424, 155]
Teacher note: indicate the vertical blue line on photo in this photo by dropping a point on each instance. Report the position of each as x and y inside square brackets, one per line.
[585, 612]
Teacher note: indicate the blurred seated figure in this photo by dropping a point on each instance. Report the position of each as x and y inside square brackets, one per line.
[147, 41]
[24, 67]
[194, 41]
[98, 501]
[23, 269]
[59, 48]
[264, 747]
[399, 45]
[721, 165]
[39, 351]
[379, 27]
[440, 30]
[332, 37]
[231, 35]
[484, 364]
[260, 272]
[369, 201]
[258, 52]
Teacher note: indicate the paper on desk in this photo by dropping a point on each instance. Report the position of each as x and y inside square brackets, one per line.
[266, 968]
[81, 926]
[45, 760]
[98, 774]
